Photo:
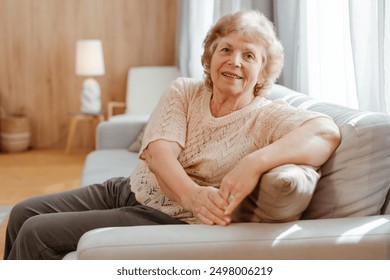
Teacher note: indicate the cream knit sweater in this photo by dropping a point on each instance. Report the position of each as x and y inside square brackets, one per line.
[211, 147]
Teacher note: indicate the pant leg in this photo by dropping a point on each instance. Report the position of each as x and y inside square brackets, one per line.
[48, 227]
[52, 236]
[99, 196]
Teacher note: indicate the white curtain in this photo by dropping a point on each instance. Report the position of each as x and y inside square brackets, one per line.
[335, 50]
[367, 40]
[196, 18]
[387, 56]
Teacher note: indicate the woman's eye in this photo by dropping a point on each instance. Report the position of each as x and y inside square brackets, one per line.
[225, 49]
[250, 56]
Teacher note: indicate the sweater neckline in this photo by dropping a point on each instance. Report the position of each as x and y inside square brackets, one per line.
[230, 117]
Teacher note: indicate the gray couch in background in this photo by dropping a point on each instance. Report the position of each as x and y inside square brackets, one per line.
[348, 216]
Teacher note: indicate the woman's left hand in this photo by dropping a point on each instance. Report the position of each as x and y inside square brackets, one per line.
[239, 183]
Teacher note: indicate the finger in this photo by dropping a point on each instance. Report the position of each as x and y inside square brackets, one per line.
[211, 219]
[214, 214]
[225, 190]
[218, 200]
[228, 188]
[224, 195]
[236, 200]
[217, 206]
[205, 220]
[218, 216]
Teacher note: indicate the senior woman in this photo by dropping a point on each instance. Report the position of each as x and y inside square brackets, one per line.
[204, 149]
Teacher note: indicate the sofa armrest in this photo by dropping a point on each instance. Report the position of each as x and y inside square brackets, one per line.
[119, 134]
[342, 238]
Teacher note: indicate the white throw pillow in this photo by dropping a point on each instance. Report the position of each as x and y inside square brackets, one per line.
[282, 195]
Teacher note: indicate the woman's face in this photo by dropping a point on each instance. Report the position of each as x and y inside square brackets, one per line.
[235, 65]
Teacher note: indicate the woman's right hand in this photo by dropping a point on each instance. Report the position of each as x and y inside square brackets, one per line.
[208, 206]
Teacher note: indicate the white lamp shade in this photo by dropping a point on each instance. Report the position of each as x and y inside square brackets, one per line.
[89, 58]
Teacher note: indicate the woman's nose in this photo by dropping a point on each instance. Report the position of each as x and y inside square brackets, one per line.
[235, 60]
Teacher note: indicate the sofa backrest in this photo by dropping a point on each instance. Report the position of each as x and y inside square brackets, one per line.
[355, 180]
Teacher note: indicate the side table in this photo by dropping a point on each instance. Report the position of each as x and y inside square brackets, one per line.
[93, 119]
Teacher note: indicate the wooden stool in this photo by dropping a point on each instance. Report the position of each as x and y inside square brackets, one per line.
[92, 118]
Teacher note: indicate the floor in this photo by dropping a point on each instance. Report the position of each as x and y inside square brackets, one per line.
[36, 172]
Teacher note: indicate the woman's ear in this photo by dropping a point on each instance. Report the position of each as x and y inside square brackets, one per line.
[258, 87]
[260, 83]
[260, 80]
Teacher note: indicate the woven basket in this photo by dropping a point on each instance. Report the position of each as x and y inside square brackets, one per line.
[15, 134]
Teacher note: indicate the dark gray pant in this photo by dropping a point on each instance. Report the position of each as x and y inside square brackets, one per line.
[50, 226]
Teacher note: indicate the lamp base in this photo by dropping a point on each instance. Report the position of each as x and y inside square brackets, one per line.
[90, 97]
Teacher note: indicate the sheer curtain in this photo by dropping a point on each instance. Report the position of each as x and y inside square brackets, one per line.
[196, 17]
[367, 40]
[337, 51]
[387, 56]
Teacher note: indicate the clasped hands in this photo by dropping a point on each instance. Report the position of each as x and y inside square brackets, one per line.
[215, 206]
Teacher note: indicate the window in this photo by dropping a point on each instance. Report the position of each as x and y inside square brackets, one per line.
[343, 52]
[387, 56]
[330, 69]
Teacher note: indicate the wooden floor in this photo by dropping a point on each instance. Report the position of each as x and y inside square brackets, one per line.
[36, 172]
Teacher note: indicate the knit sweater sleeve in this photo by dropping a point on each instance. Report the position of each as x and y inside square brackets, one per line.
[279, 118]
[168, 120]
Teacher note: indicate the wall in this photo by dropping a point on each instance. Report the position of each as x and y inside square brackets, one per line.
[37, 55]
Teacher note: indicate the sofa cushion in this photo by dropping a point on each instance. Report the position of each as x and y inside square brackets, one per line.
[355, 179]
[331, 239]
[101, 165]
[281, 196]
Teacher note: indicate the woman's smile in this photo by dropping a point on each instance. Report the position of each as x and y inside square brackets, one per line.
[231, 75]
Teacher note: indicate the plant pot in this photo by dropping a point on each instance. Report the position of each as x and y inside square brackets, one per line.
[15, 135]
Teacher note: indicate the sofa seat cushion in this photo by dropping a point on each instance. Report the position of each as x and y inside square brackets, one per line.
[328, 239]
[355, 179]
[101, 165]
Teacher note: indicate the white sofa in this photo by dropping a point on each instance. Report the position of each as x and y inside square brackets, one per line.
[348, 216]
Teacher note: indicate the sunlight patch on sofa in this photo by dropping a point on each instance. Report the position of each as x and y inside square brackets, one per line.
[356, 234]
[285, 234]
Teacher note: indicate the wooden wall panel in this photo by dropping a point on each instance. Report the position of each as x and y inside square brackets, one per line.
[37, 55]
